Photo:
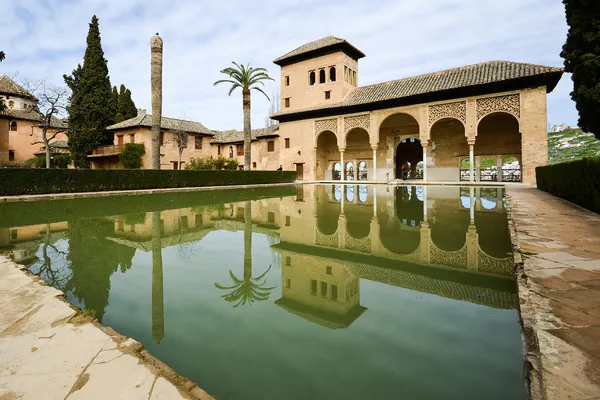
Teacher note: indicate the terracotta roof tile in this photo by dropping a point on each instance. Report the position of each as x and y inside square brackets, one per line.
[322, 43]
[234, 136]
[8, 86]
[144, 119]
[470, 75]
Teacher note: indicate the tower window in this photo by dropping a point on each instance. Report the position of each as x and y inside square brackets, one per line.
[332, 74]
[312, 78]
[11, 104]
[345, 73]
[270, 146]
[287, 143]
[327, 94]
[321, 76]
[354, 78]
[287, 80]
[287, 102]
[230, 151]
[13, 126]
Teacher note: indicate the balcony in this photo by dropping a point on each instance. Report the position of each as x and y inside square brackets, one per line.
[107, 151]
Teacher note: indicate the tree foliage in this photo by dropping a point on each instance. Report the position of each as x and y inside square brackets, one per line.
[2, 56]
[246, 78]
[91, 107]
[218, 164]
[581, 52]
[126, 108]
[131, 156]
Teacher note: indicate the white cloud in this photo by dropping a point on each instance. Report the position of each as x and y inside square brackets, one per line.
[401, 38]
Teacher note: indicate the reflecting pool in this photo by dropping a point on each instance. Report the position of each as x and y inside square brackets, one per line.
[310, 291]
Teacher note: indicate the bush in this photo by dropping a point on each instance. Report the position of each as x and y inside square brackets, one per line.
[131, 156]
[218, 164]
[38, 181]
[57, 161]
[575, 181]
[36, 162]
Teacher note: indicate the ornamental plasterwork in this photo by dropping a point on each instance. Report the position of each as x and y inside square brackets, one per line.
[326, 125]
[326, 240]
[509, 103]
[456, 259]
[357, 121]
[363, 245]
[500, 266]
[456, 110]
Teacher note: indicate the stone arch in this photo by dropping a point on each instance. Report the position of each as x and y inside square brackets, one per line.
[409, 151]
[358, 149]
[328, 210]
[498, 113]
[510, 104]
[449, 227]
[437, 112]
[392, 130]
[449, 146]
[410, 112]
[358, 218]
[327, 153]
[332, 74]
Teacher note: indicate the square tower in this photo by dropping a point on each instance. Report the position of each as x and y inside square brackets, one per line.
[318, 73]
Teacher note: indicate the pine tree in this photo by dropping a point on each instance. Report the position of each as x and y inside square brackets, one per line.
[92, 102]
[581, 52]
[126, 108]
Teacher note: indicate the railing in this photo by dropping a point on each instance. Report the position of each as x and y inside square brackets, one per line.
[511, 174]
[488, 174]
[465, 174]
[112, 149]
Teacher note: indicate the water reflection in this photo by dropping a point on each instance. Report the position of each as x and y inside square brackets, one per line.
[324, 257]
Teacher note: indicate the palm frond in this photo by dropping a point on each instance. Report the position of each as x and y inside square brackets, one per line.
[260, 90]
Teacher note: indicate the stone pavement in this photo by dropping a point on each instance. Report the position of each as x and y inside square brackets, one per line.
[558, 265]
[49, 351]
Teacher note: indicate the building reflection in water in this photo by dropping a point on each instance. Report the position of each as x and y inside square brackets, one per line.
[449, 241]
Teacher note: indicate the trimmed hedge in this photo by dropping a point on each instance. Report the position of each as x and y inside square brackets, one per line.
[576, 181]
[41, 181]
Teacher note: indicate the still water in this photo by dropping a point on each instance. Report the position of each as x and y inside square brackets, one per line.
[315, 291]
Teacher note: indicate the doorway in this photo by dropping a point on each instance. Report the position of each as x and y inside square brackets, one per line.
[299, 172]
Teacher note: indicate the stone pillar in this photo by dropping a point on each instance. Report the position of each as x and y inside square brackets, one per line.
[471, 161]
[472, 204]
[343, 177]
[424, 245]
[472, 240]
[342, 231]
[425, 203]
[375, 235]
[374, 163]
[424, 163]
[534, 135]
[375, 201]
[499, 168]
[4, 135]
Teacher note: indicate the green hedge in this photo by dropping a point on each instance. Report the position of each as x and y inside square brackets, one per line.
[576, 181]
[41, 181]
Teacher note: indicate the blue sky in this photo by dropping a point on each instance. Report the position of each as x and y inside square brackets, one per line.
[401, 38]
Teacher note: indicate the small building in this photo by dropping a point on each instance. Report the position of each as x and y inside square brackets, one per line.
[563, 127]
[20, 131]
[429, 124]
[265, 147]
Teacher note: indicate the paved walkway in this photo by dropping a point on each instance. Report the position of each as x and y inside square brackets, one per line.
[48, 351]
[559, 293]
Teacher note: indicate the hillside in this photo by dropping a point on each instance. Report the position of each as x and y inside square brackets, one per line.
[571, 145]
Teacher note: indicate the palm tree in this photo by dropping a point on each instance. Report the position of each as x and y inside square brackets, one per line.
[249, 289]
[247, 78]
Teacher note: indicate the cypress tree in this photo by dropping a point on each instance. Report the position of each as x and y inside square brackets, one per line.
[115, 103]
[92, 103]
[581, 52]
[126, 108]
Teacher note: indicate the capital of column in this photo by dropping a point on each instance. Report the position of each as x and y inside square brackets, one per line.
[341, 149]
[374, 147]
[471, 142]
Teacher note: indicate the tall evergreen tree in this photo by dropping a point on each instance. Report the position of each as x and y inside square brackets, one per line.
[92, 105]
[126, 108]
[115, 102]
[582, 58]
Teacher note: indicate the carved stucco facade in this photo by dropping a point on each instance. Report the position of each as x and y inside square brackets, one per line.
[447, 130]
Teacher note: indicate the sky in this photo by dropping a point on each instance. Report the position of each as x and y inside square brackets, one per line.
[400, 38]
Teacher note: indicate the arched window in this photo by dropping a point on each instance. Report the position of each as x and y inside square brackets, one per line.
[337, 171]
[11, 104]
[511, 169]
[488, 171]
[350, 193]
[321, 76]
[312, 78]
[362, 171]
[13, 126]
[331, 74]
[350, 171]
[337, 192]
[230, 151]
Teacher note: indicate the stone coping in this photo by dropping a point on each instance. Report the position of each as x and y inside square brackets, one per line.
[419, 182]
[556, 246]
[62, 196]
[49, 349]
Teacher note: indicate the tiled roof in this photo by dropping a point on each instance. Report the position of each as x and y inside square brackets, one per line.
[8, 86]
[144, 119]
[56, 147]
[467, 76]
[319, 44]
[34, 115]
[234, 136]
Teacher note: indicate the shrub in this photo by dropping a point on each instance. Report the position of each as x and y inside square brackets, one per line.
[131, 156]
[36, 162]
[57, 161]
[37, 181]
[219, 163]
[231, 165]
[575, 181]
[200, 164]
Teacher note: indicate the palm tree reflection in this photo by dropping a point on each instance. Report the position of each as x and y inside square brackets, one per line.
[247, 290]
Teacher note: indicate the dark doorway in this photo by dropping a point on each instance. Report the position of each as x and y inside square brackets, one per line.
[299, 172]
[409, 152]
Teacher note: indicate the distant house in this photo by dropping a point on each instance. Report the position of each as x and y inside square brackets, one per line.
[202, 143]
[21, 120]
[563, 127]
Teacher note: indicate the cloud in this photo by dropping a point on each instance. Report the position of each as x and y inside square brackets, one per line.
[400, 38]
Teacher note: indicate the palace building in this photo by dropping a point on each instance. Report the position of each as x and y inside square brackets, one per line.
[484, 121]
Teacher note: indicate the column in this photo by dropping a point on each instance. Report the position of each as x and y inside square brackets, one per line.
[424, 163]
[343, 177]
[425, 204]
[499, 168]
[315, 165]
[374, 178]
[471, 161]
[374, 201]
[472, 204]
